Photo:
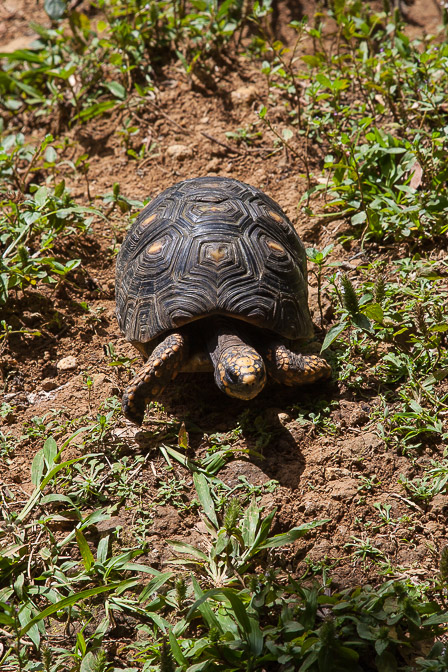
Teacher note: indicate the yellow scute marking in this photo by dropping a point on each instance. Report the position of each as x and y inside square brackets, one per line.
[149, 219]
[155, 247]
[218, 253]
[275, 246]
[276, 216]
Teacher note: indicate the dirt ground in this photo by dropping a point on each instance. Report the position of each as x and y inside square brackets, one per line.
[321, 474]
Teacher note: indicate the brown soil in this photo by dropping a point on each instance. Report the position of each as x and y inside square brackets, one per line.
[320, 475]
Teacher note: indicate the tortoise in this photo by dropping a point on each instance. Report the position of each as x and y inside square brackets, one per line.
[212, 277]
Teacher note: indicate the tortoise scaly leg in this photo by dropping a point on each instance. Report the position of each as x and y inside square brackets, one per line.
[291, 368]
[162, 366]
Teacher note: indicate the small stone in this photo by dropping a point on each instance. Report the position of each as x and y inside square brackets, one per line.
[110, 525]
[284, 418]
[343, 489]
[49, 384]
[127, 432]
[67, 363]
[18, 42]
[31, 319]
[372, 441]
[439, 504]
[179, 152]
[98, 380]
[335, 473]
[244, 95]
[213, 166]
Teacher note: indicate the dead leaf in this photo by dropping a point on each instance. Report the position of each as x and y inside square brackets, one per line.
[417, 174]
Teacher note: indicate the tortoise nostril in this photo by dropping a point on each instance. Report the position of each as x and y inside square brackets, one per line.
[232, 375]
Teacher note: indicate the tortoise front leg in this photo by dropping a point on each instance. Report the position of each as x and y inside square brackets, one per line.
[291, 368]
[162, 366]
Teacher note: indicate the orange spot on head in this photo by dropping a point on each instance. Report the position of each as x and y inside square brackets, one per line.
[245, 361]
[248, 378]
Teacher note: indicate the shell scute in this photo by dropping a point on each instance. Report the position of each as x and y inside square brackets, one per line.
[212, 246]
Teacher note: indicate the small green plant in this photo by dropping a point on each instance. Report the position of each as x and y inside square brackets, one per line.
[368, 484]
[244, 135]
[363, 548]
[32, 223]
[318, 259]
[115, 199]
[92, 68]
[236, 540]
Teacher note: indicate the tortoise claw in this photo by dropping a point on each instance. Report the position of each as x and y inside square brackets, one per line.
[132, 411]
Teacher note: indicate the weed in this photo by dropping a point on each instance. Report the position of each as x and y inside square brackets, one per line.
[244, 135]
[318, 415]
[31, 224]
[236, 541]
[363, 548]
[368, 484]
[93, 67]
[7, 444]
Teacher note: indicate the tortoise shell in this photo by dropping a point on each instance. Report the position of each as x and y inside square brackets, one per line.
[212, 246]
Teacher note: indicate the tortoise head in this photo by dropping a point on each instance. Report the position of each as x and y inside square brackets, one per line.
[240, 372]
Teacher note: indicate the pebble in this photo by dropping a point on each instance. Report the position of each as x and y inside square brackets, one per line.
[179, 152]
[244, 95]
[49, 384]
[343, 489]
[67, 363]
[335, 473]
[439, 504]
[213, 166]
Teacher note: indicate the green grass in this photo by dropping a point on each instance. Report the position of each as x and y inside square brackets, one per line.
[246, 619]
[371, 105]
[91, 67]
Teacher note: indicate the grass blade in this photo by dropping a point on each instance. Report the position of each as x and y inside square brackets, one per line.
[203, 489]
[72, 600]
[292, 535]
